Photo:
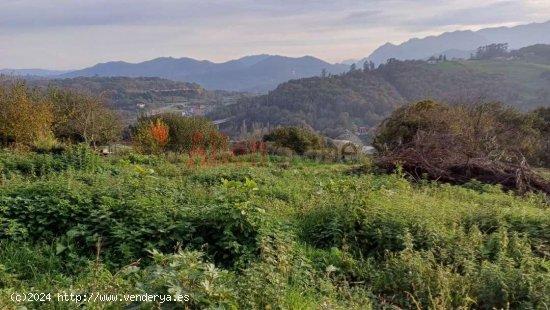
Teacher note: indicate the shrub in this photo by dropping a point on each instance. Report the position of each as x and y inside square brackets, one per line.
[404, 123]
[325, 155]
[283, 151]
[182, 132]
[297, 139]
[186, 273]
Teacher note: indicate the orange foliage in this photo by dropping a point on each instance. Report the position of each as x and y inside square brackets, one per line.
[159, 131]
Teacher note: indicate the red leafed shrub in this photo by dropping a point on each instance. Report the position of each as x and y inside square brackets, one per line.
[159, 131]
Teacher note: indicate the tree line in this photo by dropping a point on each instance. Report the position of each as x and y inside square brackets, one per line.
[31, 118]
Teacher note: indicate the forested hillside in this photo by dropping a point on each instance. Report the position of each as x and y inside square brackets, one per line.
[133, 96]
[362, 97]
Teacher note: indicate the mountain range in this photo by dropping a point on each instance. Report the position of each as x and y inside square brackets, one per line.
[460, 44]
[258, 73]
[262, 73]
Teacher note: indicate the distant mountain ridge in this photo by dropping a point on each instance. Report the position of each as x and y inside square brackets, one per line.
[32, 72]
[460, 44]
[257, 73]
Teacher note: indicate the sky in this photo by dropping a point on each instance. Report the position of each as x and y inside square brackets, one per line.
[72, 34]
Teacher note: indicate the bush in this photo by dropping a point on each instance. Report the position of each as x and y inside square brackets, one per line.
[283, 151]
[77, 157]
[489, 142]
[325, 155]
[404, 123]
[181, 132]
[297, 139]
[129, 227]
[186, 273]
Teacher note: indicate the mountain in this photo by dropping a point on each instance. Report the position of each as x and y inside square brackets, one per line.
[359, 98]
[254, 59]
[258, 73]
[32, 72]
[462, 43]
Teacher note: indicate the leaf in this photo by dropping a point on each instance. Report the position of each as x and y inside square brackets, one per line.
[59, 248]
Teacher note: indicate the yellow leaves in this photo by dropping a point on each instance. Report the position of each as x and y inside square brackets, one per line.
[26, 116]
[80, 117]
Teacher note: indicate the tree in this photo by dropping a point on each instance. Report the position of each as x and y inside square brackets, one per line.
[83, 118]
[152, 137]
[25, 115]
[159, 131]
[492, 51]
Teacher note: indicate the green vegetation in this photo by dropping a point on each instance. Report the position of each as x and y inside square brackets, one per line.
[32, 119]
[131, 97]
[334, 103]
[297, 139]
[181, 133]
[463, 132]
[281, 232]
[308, 236]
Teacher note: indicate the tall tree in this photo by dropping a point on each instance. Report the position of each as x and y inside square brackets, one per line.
[83, 118]
[25, 116]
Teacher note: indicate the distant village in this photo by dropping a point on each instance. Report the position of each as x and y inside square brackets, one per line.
[188, 107]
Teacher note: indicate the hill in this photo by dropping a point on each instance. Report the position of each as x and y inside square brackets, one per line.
[133, 96]
[336, 103]
[257, 73]
[460, 43]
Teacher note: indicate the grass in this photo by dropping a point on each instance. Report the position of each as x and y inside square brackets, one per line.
[545, 173]
[241, 237]
[522, 72]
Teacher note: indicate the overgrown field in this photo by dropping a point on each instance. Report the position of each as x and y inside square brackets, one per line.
[299, 236]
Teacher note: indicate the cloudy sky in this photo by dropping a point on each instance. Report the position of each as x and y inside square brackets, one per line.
[70, 34]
